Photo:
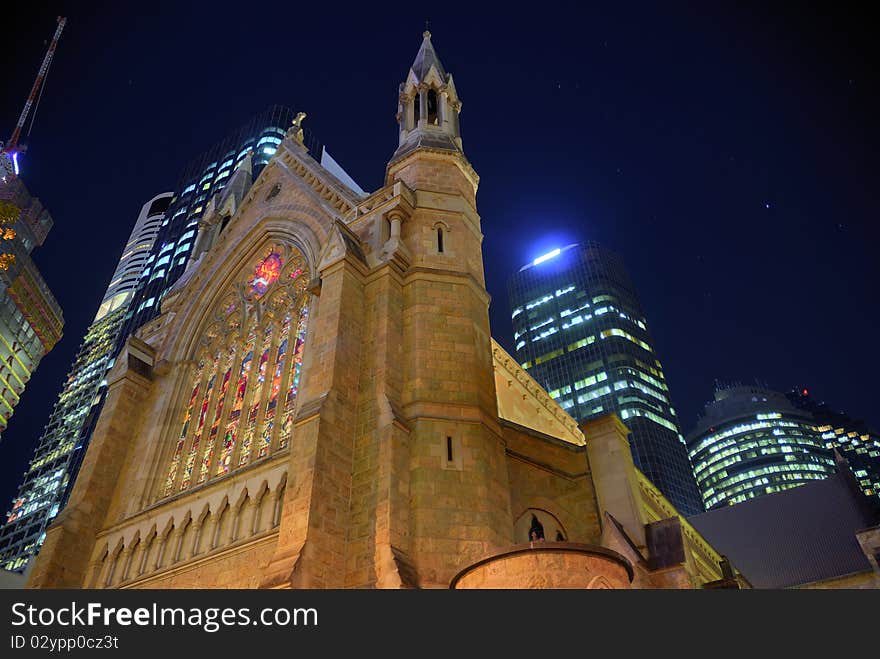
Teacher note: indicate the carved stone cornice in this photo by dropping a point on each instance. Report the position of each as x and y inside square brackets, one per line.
[516, 372]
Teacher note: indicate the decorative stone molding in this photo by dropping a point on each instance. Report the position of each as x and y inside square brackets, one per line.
[515, 372]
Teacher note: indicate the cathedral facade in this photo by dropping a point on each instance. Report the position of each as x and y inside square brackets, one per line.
[321, 405]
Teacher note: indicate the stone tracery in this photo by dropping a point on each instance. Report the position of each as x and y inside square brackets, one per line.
[247, 370]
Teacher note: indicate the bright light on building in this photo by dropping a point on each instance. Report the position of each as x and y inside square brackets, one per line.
[15, 161]
[547, 256]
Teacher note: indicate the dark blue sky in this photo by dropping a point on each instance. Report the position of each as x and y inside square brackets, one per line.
[662, 130]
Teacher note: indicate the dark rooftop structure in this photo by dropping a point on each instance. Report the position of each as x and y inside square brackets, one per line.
[795, 537]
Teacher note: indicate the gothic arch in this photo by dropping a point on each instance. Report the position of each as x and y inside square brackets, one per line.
[549, 522]
[242, 334]
[195, 318]
[600, 582]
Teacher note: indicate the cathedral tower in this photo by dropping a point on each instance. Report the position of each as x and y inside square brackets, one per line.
[460, 502]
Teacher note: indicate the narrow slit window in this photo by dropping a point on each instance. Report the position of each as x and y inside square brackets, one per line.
[440, 239]
[449, 449]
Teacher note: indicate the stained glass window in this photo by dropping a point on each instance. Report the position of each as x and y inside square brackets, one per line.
[178, 451]
[194, 447]
[215, 425]
[266, 273]
[272, 402]
[225, 458]
[243, 384]
[287, 421]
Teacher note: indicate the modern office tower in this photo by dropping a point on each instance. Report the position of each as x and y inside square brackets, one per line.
[204, 177]
[30, 318]
[57, 457]
[581, 333]
[752, 441]
[858, 444]
[135, 254]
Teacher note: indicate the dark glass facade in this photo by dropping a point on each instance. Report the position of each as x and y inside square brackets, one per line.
[58, 453]
[202, 179]
[752, 441]
[852, 438]
[580, 331]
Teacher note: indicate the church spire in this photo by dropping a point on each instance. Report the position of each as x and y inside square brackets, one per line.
[428, 105]
[426, 58]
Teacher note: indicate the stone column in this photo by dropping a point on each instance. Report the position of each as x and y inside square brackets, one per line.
[174, 544]
[235, 529]
[410, 114]
[224, 537]
[122, 566]
[160, 551]
[145, 554]
[137, 558]
[248, 518]
[192, 550]
[423, 107]
[209, 533]
[109, 570]
[275, 511]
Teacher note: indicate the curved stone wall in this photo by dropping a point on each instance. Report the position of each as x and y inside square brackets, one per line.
[548, 565]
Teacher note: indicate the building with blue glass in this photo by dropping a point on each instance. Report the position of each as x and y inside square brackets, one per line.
[751, 441]
[853, 438]
[580, 331]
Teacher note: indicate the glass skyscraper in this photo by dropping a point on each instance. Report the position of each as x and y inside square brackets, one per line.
[57, 456]
[31, 321]
[580, 331]
[857, 443]
[752, 441]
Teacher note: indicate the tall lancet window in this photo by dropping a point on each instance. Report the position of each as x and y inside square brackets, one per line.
[433, 117]
[246, 375]
[417, 108]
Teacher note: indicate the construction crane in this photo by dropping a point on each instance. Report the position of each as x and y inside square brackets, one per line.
[9, 151]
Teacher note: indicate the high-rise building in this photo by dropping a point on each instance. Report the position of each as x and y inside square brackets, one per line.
[580, 331]
[31, 321]
[751, 441]
[852, 438]
[135, 254]
[59, 451]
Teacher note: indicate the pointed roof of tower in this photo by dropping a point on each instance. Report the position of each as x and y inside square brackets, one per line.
[426, 58]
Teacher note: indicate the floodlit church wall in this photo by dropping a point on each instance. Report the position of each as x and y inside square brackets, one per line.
[552, 476]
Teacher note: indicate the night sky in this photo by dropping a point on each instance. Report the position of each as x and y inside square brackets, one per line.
[728, 153]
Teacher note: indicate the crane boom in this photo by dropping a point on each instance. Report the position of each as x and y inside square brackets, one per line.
[41, 75]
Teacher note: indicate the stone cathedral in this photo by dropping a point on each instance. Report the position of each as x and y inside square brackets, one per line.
[321, 405]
